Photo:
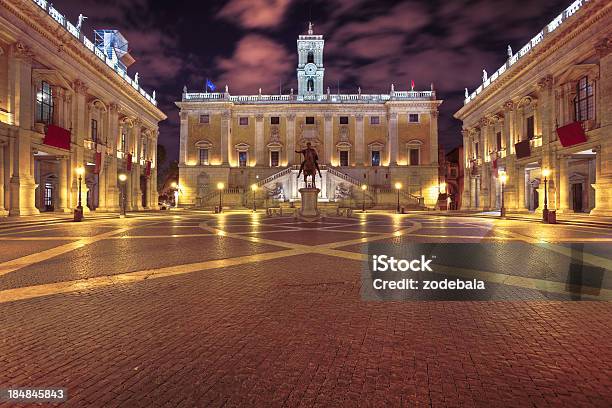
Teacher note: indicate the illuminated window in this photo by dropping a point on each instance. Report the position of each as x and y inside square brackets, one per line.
[204, 119]
[374, 120]
[344, 120]
[274, 120]
[123, 140]
[375, 157]
[44, 104]
[310, 120]
[244, 121]
[274, 158]
[203, 153]
[413, 118]
[344, 158]
[242, 159]
[584, 108]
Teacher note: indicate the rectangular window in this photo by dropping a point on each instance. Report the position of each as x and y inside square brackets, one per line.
[94, 130]
[310, 120]
[123, 140]
[530, 128]
[344, 158]
[583, 103]
[274, 120]
[204, 119]
[499, 141]
[414, 156]
[375, 157]
[203, 157]
[413, 118]
[244, 121]
[44, 104]
[242, 159]
[344, 120]
[274, 158]
[374, 120]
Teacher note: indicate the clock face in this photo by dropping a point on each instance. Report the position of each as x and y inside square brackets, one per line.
[310, 69]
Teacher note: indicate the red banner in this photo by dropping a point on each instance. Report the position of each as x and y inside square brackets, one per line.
[148, 168]
[57, 137]
[128, 162]
[571, 134]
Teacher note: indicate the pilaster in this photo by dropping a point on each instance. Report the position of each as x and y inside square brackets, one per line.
[327, 137]
[359, 141]
[259, 140]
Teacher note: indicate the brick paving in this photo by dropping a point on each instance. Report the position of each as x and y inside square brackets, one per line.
[291, 331]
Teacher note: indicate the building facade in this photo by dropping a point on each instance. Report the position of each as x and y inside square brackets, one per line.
[371, 139]
[67, 103]
[548, 108]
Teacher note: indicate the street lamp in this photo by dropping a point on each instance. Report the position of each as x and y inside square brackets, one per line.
[175, 192]
[545, 173]
[503, 177]
[398, 187]
[254, 189]
[220, 187]
[122, 180]
[363, 188]
[78, 212]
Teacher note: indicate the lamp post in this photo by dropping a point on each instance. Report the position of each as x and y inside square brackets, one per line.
[78, 212]
[545, 173]
[503, 177]
[441, 190]
[122, 180]
[398, 187]
[254, 189]
[220, 187]
[363, 188]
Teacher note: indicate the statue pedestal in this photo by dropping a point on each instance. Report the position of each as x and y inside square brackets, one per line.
[309, 210]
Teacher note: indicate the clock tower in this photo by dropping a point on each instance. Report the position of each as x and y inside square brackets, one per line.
[310, 65]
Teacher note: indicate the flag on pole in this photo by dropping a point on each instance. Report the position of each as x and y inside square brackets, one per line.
[412, 85]
[210, 85]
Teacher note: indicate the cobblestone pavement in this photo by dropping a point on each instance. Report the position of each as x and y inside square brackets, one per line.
[191, 310]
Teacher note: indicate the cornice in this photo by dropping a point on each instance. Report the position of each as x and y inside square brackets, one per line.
[37, 20]
[591, 13]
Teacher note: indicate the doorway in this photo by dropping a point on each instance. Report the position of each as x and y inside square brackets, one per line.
[577, 197]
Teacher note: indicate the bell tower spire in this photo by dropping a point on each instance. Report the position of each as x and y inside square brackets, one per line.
[310, 69]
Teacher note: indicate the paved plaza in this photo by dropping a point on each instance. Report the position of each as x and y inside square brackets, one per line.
[191, 309]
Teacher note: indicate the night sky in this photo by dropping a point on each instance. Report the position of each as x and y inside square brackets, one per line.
[249, 44]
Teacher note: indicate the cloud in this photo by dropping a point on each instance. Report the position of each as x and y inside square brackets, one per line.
[257, 62]
[255, 13]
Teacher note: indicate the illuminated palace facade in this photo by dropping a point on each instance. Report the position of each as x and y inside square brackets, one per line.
[66, 103]
[548, 108]
[375, 140]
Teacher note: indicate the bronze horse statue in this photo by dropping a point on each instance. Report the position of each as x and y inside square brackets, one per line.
[310, 165]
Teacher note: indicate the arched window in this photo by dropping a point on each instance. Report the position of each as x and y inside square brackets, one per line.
[310, 85]
[310, 57]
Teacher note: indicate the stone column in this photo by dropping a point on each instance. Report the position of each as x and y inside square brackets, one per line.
[520, 180]
[564, 184]
[226, 156]
[22, 184]
[603, 186]
[393, 148]
[112, 187]
[2, 162]
[260, 148]
[328, 135]
[360, 147]
[290, 136]
[184, 137]
[433, 137]
[63, 186]
[136, 170]
[466, 199]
